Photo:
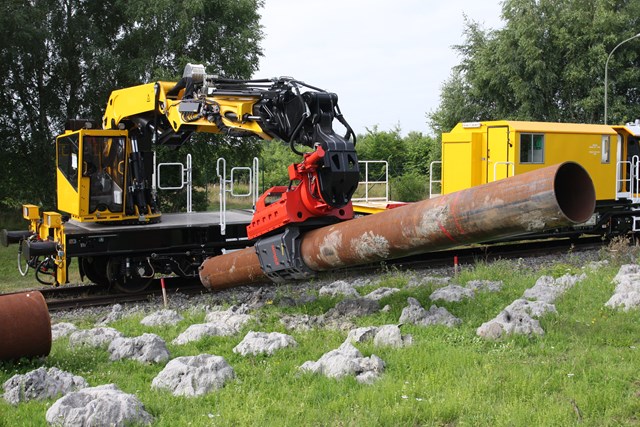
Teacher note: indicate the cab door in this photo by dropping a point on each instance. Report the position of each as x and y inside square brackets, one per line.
[499, 146]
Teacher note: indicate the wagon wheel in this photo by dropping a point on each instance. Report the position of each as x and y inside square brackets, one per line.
[95, 268]
[136, 281]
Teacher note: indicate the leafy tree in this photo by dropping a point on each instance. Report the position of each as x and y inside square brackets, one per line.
[546, 63]
[383, 145]
[61, 58]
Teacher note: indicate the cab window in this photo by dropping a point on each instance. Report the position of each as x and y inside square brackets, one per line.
[68, 158]
[605, 149]
[531, 148]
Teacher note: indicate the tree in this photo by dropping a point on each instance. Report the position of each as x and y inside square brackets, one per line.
[546, 63]
[60, 59]
[383, 145]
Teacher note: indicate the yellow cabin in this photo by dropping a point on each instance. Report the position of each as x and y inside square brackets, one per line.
[476, 153]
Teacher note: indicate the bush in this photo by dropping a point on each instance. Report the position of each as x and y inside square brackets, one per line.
[410, 187]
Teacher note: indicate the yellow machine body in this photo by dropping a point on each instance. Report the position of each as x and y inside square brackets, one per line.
[480, 152]
[91, 175]
[136, 100]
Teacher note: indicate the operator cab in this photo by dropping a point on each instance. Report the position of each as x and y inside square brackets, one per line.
[91, 176]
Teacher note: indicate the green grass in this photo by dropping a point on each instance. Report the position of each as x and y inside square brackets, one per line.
[583, 371]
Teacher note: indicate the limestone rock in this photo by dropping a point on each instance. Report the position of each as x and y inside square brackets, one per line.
[101, 406]
[194, 375]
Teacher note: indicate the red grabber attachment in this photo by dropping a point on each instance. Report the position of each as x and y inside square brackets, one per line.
[299, 204]
[320, 188]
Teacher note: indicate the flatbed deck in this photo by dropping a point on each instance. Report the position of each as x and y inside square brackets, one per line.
[174, 232]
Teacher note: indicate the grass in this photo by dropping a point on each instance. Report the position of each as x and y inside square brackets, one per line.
[583, 371]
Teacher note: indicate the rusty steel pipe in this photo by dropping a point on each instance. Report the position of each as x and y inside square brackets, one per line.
[543, 199]
[25, 326]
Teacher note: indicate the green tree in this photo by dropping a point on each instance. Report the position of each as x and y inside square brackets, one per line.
[383, 145]
[60, 59]
[546, 63]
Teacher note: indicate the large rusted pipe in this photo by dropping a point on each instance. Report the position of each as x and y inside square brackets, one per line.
[25, 326]
[543, 199]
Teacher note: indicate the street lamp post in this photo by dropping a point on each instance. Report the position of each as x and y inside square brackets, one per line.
[606, 68]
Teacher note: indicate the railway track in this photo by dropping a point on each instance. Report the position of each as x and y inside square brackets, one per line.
[74, 297]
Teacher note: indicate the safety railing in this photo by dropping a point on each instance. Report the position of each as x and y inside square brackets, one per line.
[186, 179]
[369, 184]
[495, 168]
[228, 185]
[631, 182]
[434, 181]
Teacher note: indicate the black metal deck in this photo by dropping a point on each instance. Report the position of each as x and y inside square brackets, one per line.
[174, 232]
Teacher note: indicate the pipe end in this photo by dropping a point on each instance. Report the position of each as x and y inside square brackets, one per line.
[575, 193]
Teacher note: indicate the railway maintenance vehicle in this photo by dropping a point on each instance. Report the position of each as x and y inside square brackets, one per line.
[109, 216]
[111, 222]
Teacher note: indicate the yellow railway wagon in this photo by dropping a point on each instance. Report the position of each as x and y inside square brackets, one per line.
[475, 153]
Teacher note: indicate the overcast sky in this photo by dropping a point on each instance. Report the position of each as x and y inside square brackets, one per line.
[386, 60]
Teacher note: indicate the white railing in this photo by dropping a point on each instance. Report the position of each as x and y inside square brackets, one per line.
[371, 183]
[631, 182]
[495, 168]
[434, 181]
[227, 186]
[186, 178]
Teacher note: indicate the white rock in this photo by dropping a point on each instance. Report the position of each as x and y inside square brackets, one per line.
[532, 308]
[380, 293]
[96, 337]
[194, 375]
[346, 360]
[101, 406]
[201, 330]
[41, 384]
[162, 318]
[509, 323]
[389, 335]
[627, 301]
[547, 288]
[485, 285]
[147, 348]
[235, 317]
[339, 288]
[415, 314]
[360, 335]
[451, 293]
[264, 343]
[116, 314]
[62, 329]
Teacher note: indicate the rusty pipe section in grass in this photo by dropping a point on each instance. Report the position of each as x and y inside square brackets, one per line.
[546, 198]
[25, 326]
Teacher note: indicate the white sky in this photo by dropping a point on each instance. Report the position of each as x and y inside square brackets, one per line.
[386, 60]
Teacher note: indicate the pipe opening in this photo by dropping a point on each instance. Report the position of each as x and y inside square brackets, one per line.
[575, 193]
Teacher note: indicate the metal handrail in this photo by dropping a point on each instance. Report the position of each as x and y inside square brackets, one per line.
[434, 181]
[495, 168]
[368, 183]
[226, 186]
[186, 175]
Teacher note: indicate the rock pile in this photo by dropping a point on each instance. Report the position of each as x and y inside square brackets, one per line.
[346, 360]
[41, 384]
[627, 291]
[147, 348]
[415, 314]
[255, 343]
[520, 317]
[385, 335]
[105, 405]
[96, 337]
[219, 323]
[194, 375]
[162, 318]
